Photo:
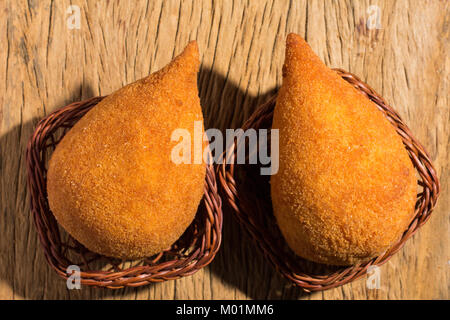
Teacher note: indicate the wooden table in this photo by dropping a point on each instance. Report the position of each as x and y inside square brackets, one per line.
[46, 62]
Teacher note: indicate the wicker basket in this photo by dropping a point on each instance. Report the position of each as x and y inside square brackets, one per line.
[253, 209]
[194, 250]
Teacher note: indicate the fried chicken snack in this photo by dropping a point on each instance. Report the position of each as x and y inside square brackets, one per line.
[111, 181]
[346, 188]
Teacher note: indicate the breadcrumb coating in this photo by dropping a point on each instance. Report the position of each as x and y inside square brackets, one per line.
[346, 188]
[111, 182]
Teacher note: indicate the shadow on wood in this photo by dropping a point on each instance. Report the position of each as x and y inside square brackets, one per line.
[239, 262]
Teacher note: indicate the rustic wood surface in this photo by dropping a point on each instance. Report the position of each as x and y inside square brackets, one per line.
[46, 64]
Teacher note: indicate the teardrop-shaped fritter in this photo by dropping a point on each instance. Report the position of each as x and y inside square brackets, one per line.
[346, 188]
[111, 181]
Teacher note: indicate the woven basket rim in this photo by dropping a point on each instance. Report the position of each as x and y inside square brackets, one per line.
[204, 235]
[247, 214]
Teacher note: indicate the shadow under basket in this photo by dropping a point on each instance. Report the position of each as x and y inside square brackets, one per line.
[248, 194]
[194, 250]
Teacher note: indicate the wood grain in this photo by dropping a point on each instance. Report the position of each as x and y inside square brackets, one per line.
[45, 65]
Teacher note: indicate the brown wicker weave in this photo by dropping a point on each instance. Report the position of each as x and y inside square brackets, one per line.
[248, 193]
[194, 250]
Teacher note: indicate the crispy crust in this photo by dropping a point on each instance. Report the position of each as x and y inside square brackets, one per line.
[346, 188]
[111, 182]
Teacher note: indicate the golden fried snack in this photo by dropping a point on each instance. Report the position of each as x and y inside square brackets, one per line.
[346, 188]
[111, 181]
